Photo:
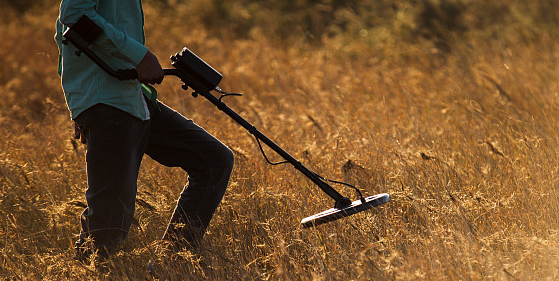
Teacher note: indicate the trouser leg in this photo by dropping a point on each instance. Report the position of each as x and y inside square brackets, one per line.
[116, 142]
[178, 142]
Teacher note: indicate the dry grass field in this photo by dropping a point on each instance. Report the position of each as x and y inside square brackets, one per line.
[457, 122]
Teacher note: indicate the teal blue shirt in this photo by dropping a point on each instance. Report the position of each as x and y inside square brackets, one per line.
[121, 46]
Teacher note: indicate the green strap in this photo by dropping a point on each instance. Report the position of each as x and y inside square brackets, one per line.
[151, 94]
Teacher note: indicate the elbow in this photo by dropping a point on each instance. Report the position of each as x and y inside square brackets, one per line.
[70, 14]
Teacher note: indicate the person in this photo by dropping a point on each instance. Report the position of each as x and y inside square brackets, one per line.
[120, 121]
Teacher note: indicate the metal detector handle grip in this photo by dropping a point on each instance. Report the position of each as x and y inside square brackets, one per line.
[127, 74]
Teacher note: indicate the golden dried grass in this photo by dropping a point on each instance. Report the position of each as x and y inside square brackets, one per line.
[465, 143]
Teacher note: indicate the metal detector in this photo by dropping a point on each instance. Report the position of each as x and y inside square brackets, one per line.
[202, 78]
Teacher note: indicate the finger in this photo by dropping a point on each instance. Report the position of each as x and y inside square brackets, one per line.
[159, 79]
[78, 134]
[77, 131]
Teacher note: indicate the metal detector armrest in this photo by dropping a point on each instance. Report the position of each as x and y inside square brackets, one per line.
[83, 33]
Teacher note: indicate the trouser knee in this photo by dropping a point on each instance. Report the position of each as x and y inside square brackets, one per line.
[227, 160]
[222, 167]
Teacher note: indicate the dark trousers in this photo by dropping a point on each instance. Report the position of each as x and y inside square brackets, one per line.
[116, 143]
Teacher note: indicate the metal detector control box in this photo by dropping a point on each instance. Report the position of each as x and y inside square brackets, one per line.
[200, 76]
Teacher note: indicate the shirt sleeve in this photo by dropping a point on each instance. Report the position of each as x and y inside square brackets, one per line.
[112, 41]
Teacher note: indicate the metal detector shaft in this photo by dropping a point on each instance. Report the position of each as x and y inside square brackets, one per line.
[340, 200]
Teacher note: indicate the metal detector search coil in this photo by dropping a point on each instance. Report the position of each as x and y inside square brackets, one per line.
[338, 213]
